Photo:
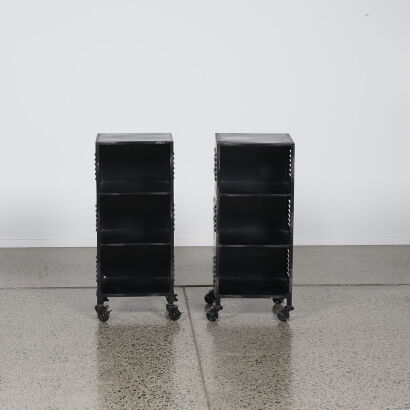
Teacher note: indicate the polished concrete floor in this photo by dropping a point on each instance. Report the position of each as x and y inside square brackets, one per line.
[347, 344]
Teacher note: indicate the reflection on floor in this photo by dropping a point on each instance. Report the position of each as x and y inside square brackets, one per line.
[344, 347]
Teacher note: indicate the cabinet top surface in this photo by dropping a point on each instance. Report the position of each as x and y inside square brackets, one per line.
[268, 139]
[130, 137]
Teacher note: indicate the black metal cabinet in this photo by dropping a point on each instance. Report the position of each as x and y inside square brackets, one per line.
[253, 219]
[135, 218]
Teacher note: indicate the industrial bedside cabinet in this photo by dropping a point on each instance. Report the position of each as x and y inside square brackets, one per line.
[135, 218]
[253, 219]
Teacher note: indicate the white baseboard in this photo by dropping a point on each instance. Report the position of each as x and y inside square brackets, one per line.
[306, 240]
[303, 240]
[193, 241]
[47, 243]
[80, 243]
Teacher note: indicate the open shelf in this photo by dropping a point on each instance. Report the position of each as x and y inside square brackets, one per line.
[134, 187]
[253, 271]
[250, 236]
[135, 286]
[143, 261]
[252, 261]
[265, 213]
[237, 286]
[266, 164]
[143, 214]
[253, 188]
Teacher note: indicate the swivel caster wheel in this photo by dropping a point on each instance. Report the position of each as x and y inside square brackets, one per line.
[210, 297]
[278, 301]
[102, 312]
[212, 314]
[173, 312]
[283, 315]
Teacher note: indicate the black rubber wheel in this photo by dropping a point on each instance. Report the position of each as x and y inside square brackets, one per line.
[102, 312]
[283, 315]
[104, 315]
[278, 301]
[211, 315]
[174, 314]
[210, 297]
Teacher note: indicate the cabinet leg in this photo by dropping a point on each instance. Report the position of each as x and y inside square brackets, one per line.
[172, 298]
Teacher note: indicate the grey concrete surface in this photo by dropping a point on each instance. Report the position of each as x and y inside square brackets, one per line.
[47, 267]
[344, 347]
[75, 267]
[56, 354]
[352, 265]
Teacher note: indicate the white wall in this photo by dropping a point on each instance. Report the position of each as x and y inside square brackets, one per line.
[334, 74]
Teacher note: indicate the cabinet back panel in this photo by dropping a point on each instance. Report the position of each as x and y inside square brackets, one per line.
[254, 163]
[143, 162]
